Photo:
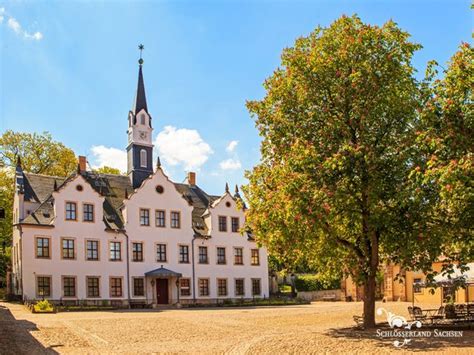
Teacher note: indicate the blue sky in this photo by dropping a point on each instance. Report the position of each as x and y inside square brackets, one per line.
[70, 68]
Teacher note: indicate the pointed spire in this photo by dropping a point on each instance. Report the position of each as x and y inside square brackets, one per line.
[140, 97]
[226, 187]
[18, 162]
[158, 163]
[237, 194]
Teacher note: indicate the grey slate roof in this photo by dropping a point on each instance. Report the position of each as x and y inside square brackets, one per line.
[115, 189]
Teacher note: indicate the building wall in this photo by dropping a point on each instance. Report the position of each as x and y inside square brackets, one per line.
[402, 289]
[80, 231]
[146, 197]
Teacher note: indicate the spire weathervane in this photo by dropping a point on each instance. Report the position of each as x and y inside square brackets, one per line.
[141, 47]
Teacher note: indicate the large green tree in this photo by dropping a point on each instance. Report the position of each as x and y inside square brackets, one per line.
[336, 124]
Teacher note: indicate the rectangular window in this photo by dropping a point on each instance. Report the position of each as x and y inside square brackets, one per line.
[71, 211]
[92, 250]
[235, 224]
[137, 251]
[88, 212]
[203, 255]
[175, 220]
[42, 248]
[222, 224]
[115, 251]
[239, 287]
[203, 287]
[184, 254]
[68, 248]
[138, 286]
[161, 252]
[417, 285]
[115, 287]
[160, 218]
[144, 217]
[238, 256]
[185, 287]
[222, 287]
[255, 257]
[256, 290]
[93, 289]
[69, 286]
[221, 256]
[44, 286]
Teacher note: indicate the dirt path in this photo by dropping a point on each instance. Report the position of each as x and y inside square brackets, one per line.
[316, 328]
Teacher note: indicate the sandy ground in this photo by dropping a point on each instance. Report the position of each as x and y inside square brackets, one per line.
[325, 327]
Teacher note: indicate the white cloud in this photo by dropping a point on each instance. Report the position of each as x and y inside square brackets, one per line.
[182, 146]
[37, 36]
[16, 27]
[230, 164]
[107, 156]
[231, 146]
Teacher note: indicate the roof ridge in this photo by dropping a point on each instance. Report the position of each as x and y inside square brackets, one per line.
[44, 175]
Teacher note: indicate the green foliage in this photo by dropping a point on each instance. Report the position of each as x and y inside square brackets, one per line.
[4, 260]
[443, 172]
[39, 153]
[316, 283]
[108, 170]
[285, 288]
[43, 306]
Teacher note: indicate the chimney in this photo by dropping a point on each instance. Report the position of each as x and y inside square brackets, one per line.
[192, 178]
[82, 163]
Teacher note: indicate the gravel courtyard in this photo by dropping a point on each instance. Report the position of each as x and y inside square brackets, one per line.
[325, 327]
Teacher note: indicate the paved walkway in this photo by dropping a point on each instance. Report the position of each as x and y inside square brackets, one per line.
[325, 327]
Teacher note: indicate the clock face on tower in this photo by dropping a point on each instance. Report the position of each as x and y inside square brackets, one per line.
[143, 135]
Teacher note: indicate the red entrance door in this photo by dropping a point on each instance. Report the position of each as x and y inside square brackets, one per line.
[162, 291]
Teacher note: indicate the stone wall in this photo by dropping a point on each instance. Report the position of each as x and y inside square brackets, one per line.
[326, 295]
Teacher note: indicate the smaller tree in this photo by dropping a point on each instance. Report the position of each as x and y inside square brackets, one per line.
[443, 174]
[39, 153]
[108, 170]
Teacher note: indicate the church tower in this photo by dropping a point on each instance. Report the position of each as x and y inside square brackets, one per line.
[140, 146]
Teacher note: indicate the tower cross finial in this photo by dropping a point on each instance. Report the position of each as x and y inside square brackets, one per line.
[141, 47]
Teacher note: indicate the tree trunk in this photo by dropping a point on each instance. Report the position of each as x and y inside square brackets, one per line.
[369, 301]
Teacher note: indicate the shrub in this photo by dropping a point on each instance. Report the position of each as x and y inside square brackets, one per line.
[43, 306]
[316, 283]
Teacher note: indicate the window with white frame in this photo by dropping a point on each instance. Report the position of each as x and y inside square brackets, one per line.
[143, 158]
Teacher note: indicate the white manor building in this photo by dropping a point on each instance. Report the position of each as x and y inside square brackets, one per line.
[141, 238]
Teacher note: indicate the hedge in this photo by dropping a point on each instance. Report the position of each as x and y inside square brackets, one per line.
[316, 283]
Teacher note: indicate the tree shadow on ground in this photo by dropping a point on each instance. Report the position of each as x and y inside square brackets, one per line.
[16, 337]
[431, 343]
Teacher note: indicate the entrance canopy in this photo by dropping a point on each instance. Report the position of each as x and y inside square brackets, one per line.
[163, 272]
